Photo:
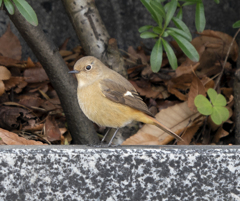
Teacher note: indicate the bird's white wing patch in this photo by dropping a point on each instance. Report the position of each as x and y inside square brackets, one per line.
[128, 93]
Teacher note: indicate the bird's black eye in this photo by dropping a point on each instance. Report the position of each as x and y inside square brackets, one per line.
[88, 67]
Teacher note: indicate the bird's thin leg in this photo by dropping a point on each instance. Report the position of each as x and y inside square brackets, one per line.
[104, 137]
[109, 144]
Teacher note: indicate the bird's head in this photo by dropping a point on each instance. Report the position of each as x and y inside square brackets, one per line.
[88, 70]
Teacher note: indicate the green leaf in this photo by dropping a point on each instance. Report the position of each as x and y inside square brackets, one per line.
[166, 6]
[9, 6]
[186, 46]
[27, 12]
[217, 1]
[236, 24]
[180, 14]
[194, 1]
[165, 34]
[212, 94]
[219, 114]
[189, 4]
[159, 1]
[158, 8]
[224, 113]
[216, 99]
[144, 28]
[156, 16]
[171, 10]
[157, 30]
[148, 35]
[180, 32]
[203, 105]
[146, 4]
[170, 54]
[220, 101]
[156, 56]
[181, 25]
[1, 2]
[200, 20]
[216, 117]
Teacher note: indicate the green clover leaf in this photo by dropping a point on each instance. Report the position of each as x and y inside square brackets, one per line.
[219, 114]
[216, 108]
[203, 105]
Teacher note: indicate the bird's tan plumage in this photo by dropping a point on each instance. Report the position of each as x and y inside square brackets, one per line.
[108, 99]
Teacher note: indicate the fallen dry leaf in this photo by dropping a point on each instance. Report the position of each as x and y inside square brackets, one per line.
[71, 57]
[13, 117]
[36, 127]
[142, 139]
[6, 61]
[175, 118]
[30, 101]
[43, 86]
[10, 45]
[216, 46]
[180, 85]
[210, 71]
[195, 89]
[48, 106]
[219, 134]
[185, 69]
[30, 63]
[9, 138]
[163, 104]
[216, 38]
[134, 55]
[68, 137]
[5, 74]
[207, 82]
[65, 53]
[15, 81]
[191, 130]
[77, 49]
[51, 129]
[145, 88]
[135, 71]
[2, 87]
[227, 92]
[34, 75]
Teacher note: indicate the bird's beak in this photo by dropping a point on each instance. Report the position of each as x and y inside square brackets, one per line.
[74, 71]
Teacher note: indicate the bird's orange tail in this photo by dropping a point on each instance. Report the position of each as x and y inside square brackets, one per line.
[164, 128]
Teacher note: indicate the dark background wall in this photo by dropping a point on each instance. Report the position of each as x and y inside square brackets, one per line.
[122, 19]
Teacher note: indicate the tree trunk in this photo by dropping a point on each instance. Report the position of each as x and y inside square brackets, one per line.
[80, 127]
[93, 34]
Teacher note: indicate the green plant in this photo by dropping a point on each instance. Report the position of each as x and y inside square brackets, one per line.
[24, 8]
[236, 24]
[215, 107]
[163, 14]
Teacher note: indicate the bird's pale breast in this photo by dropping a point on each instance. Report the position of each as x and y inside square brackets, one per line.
[101, 110]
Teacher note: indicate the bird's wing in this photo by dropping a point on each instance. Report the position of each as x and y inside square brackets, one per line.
[120, 94]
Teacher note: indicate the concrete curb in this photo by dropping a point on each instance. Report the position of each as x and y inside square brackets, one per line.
[123, 173]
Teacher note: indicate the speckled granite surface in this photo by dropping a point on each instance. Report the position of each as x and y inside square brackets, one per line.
[130, 173]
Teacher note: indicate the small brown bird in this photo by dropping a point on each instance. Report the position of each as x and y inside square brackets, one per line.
[108, 99]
